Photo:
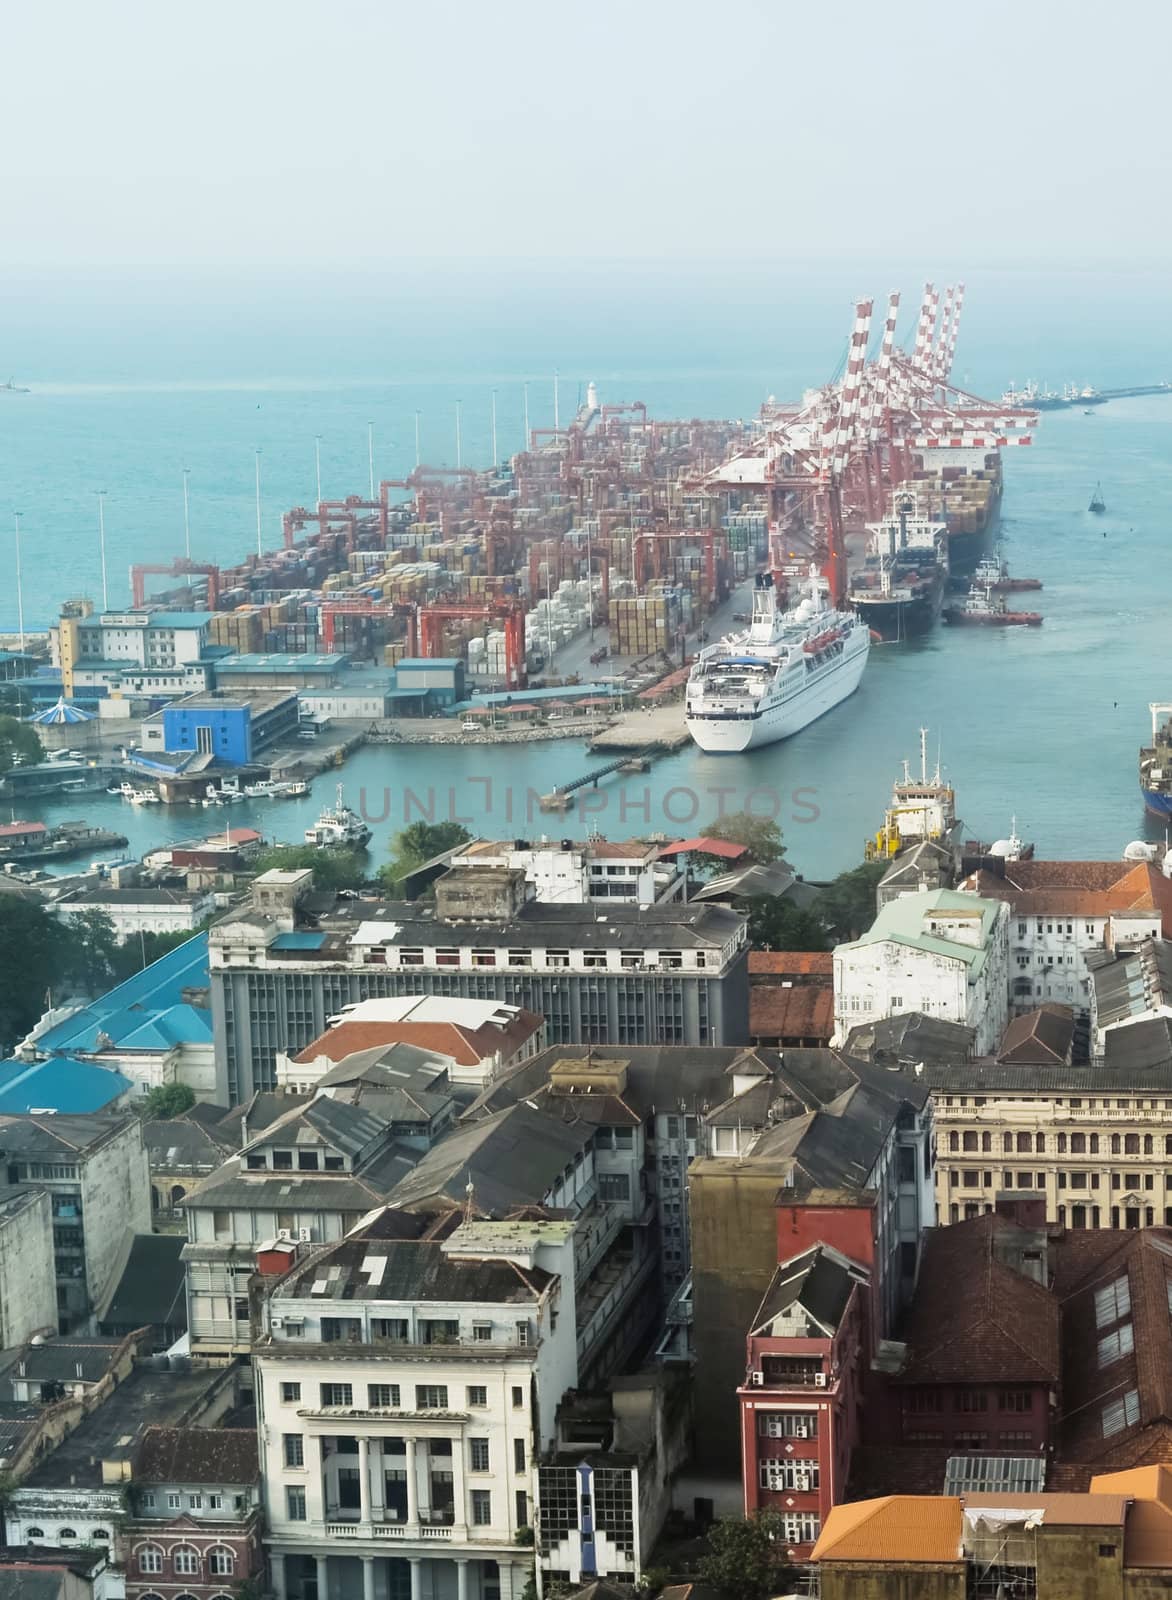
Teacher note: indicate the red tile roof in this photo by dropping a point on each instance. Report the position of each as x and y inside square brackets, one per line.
[708, 847]
[790, 1011]
[1077, 888]
[20, 830]
[1041, 1038]
[467, 1046]
[790, 963]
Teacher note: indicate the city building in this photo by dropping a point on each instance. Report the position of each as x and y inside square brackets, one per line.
[940, 952]
[231, 725]
[1132, 985]
[1062, 912]
[475, 1040]
[1090, 1142]
[310, 673]
[63, 1084]
[152, 653]
[39, 1572]
[570, 872]
[194, 1524]
[181, 1151]
[95, 1171]
[154, 1028]
[791, 998]
[305, 1178]
[139, 909]
[850, 1168]
[672, 974]
[151, 1294]
[801, 1401]
[405, 1389]
[28, 1281]
[82, 1490]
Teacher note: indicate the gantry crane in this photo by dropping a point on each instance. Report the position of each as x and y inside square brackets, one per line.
[511, 613]
[181, 567]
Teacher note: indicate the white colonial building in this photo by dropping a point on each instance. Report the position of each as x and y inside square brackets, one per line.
[941, 953]
[573, 872]
[398, 1383]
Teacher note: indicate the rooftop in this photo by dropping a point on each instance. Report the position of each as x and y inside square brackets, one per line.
[1078, 888]
[1040, 1038]
[198, 1455]
[918, 1528]
[904, 920]
[61, 1358]
[409, 1272]
[63, 1084]
[511, 1158]
[148, 1012]
[151, 1291]
[821, 1281]
[469, 1031]
[277, 664]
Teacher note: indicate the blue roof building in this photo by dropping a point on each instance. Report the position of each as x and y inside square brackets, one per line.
[63, 1085]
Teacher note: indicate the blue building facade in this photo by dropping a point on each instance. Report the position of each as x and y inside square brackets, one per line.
[223, 731]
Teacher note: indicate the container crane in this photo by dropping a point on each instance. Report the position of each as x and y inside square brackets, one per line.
[181, 567]
[510, 612]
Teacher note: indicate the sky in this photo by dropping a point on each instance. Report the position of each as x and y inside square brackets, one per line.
[362, 135]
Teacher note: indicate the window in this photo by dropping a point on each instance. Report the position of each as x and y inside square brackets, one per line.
[290, 1393]
[337, 1394]
[522, 1333]
[1112, 1303]
[518, 1397]
[478, 1455]
[195, 1502]
[800, 1475]
[923, 1400]
[1119, 1342]
[295, 1504]
[1078, 1144]
[614, 1186]
[215, 1502]
[481, 1332]
[521, 1509]
[1120, 1414]
[518, 1455]
[294, 1450]
[382, 1396]
[431, 1397]
[972, 1400]
[185, 1559]
[174, 1502]
[150, 1557]
[1015, 1400]
[787, 1424]
[481, 1508]
[221, 1562]
[970, 1141]
[147, 1500]
[477, 1396]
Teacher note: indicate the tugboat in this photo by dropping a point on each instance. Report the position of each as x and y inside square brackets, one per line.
[982, 608]
[1098, 505]
[993, 573]
[338, 825]
[901, 584]
[12, 387]
[1155, 763]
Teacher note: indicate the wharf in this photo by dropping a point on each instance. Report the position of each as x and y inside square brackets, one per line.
[637, 739]
[68, 839]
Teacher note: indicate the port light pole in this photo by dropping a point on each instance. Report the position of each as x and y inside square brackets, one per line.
[317, 463]
[417, 456]
[256, 455]
[495, 457]
[186, 514]
[526, 389]
[16, 515]
[459, 438]
[370, 454]
[102, 547]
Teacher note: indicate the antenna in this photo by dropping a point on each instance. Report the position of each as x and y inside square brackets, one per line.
[186, 514]
[102, 547]
[469, 1198]
[417, 438]
[525, 390]
[258, 534]
[370, 454]
[16, 515]
[495, 457]
[923, 755]
[317, 463]
[555, 400]
[459, 441]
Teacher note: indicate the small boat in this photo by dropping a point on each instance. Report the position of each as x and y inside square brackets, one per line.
[993, 573]
[338, 825]
[12, 387]
[982, 608]
[1098, 504]
[1088, 412]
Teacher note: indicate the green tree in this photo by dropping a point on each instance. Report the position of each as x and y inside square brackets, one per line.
[414, 845]
[19, 745]
[744, 1560]
[141, 950]
[847, 904]
[760, 836]
[35, 951]
[333, 866]
[775, 923]
[167, 1100]
[91, 951]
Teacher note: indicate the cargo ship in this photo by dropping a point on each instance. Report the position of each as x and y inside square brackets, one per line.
[1155, 763]
[922, 808]
[982, 608]
[775, 677]
[899, 589]
[964, 492]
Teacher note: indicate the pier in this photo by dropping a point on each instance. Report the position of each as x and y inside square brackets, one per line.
[638, 738]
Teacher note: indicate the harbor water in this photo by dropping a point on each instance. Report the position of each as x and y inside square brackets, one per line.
[1038, 725]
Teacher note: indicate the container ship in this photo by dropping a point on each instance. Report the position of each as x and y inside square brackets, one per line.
[1155, 763]
[778, 675]
[963, 492]
[899, 588]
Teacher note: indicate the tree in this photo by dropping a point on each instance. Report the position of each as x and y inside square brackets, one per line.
[19, 745]
[743, 1561]
[167, 1100]
[333, 866]
[760, 836]
[35, 951]
[138, 952]
[420, 842]
[92, 951]
[775, 923]
[847, 904]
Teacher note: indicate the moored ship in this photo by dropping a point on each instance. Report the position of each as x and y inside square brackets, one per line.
[982, 608]
[993, 573]
[775, 677]
[921, 808]
[900, 586]
[1155, 763]
[338, 825]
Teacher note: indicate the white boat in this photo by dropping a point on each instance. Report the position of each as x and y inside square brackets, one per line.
[775, 677]
[338, 825]
[276, 789]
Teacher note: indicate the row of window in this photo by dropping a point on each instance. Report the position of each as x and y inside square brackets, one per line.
[478, 1452]
[387, 1396]
[175, 1501]
[629, 961]
[977, 1441]
[1078, 1144]
[1079, 1216]
[480, 1505]
[185, 1559]
[968, 1400]
[1131, 1181]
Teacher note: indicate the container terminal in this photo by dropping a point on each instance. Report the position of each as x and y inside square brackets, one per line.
[581, 569]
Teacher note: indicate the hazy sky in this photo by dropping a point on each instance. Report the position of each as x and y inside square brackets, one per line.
[243, 134]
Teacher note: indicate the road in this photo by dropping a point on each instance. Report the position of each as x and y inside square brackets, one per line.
[574, 657]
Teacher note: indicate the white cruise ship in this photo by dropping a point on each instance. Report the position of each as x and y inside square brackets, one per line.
[779, 674]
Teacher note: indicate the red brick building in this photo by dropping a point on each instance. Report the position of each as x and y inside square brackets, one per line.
[195, 1526]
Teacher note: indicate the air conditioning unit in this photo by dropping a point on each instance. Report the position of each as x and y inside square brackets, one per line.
[756, 1378]
[801, 1480]
[284, 1233]
[820, 1380]
[305, 1235]
[801, 1431]
[278, 1322]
